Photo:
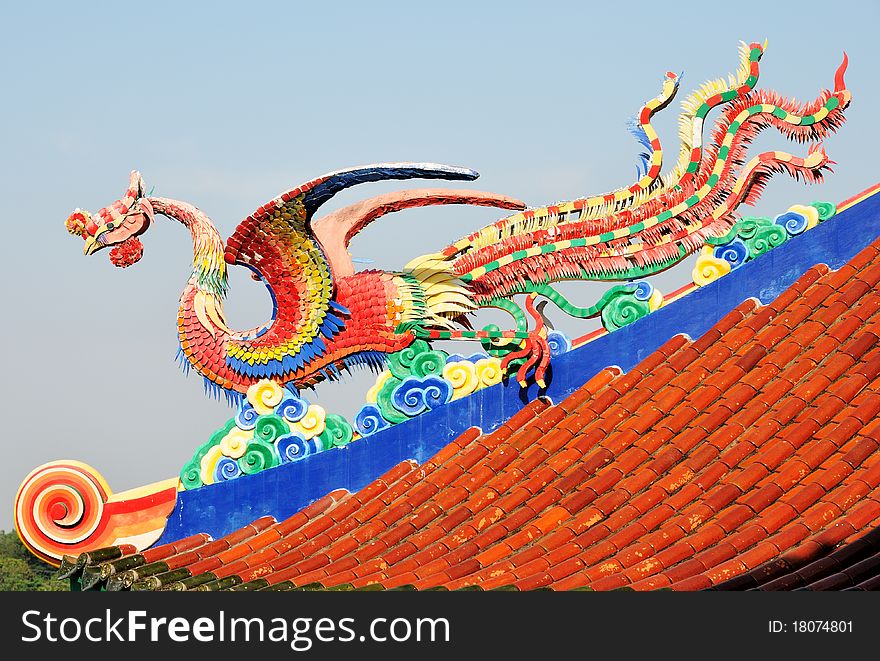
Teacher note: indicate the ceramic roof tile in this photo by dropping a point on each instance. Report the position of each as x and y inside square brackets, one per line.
[746, 459]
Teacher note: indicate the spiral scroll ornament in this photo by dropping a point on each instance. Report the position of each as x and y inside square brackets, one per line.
[273, 425]
[66, 507]
[60, 504]
[753, 236]
[709, 268]
[420, 379]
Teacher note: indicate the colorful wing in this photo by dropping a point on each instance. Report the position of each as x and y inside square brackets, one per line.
[278, 244]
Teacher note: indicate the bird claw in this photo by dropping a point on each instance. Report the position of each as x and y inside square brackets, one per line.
[535, 350]
[536, 353]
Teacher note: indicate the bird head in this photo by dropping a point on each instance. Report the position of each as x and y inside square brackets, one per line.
[116, 226]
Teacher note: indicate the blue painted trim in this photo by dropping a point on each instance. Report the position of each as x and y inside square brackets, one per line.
[282, 491]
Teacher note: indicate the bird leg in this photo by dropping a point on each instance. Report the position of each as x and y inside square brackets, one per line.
[534, 348]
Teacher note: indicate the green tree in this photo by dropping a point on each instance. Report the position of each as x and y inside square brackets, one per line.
[22, 571]
[15, 575]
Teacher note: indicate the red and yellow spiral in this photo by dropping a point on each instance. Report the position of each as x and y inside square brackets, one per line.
[66, 507]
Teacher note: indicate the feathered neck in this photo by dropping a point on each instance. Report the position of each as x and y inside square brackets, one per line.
[209, 267]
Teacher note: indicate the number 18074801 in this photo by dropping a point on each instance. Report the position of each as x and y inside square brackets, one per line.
[810, 626]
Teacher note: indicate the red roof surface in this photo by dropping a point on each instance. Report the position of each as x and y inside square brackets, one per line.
[851, 566]
[746, 458]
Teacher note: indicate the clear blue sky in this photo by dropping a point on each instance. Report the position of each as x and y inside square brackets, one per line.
[226, 104]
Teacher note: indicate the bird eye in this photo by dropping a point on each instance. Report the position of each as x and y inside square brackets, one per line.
[110, 226]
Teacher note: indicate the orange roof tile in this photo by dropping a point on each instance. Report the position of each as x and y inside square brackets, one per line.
[748, 459]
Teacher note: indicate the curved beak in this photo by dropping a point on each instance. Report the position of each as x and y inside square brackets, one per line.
[91, 246]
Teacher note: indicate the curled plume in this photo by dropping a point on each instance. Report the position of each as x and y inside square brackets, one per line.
[839, 84]
[76, 222]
